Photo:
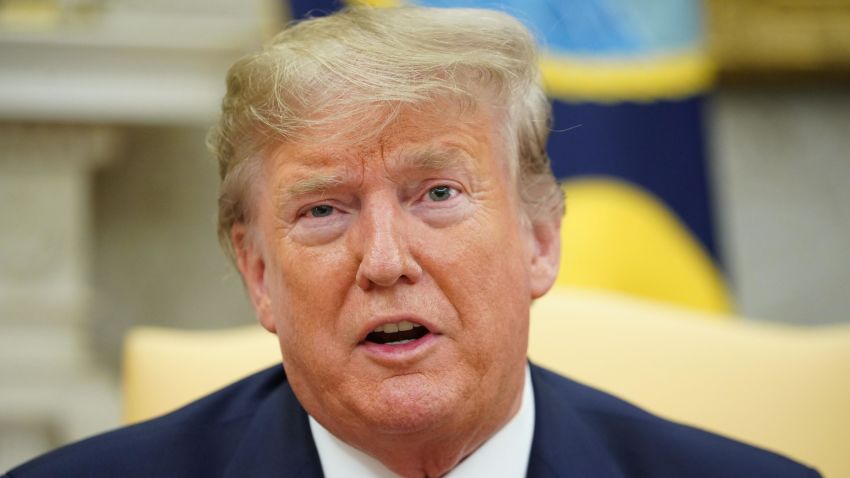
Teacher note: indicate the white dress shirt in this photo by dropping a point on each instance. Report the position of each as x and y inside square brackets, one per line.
[505, 454]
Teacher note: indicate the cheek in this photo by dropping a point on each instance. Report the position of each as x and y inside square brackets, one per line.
[310, 289]
[478, 266]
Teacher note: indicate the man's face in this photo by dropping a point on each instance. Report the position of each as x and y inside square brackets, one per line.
[398, 274]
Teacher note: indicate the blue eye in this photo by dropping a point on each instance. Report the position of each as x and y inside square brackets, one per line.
[322, 210]
[440, 193]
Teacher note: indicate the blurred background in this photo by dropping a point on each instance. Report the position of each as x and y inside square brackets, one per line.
[704, 148]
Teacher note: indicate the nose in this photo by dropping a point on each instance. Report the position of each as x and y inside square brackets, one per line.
[386, 257]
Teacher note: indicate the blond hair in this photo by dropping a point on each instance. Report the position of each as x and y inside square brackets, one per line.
[334, 71]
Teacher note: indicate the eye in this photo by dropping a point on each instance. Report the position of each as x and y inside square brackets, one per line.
[322, 210]
[441, 193]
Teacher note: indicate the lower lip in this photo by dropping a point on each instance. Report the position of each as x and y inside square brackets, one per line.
[397, 352]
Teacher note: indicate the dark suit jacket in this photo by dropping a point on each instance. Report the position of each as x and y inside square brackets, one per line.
[257, 428]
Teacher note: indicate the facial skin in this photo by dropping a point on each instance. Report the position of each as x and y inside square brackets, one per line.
[421, 224]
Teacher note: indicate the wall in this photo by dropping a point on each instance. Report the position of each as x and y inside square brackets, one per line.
[157, 258]
[782, 171]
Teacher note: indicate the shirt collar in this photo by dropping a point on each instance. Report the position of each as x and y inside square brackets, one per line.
[504, 454]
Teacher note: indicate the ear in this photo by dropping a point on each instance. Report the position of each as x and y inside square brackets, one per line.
[251, 261]
[545, 255]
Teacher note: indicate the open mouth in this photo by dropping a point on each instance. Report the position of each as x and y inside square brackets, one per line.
[397, 333]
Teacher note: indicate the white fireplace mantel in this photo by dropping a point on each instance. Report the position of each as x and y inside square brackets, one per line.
[123, 65]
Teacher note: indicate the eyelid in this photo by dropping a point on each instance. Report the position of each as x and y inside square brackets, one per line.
[429, 185]
[453, 192]
[423, 196]
[305, 210]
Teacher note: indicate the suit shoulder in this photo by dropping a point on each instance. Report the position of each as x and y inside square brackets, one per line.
[187, 442]
[643, 444]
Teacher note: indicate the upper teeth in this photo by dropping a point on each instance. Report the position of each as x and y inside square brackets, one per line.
[396, 327]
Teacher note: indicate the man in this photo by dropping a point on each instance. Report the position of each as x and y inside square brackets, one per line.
[387, 199]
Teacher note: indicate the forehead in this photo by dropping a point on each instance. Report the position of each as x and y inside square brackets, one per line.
[435, 136]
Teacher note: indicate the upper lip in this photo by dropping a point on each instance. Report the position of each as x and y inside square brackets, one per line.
[374, 322]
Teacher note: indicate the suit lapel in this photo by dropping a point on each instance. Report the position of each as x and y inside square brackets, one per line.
[563, 445]
[278, 441]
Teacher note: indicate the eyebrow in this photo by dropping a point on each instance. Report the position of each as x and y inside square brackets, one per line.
[313, 184]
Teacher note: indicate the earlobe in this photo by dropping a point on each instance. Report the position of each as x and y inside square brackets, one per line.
[546, 255]
[251, 262]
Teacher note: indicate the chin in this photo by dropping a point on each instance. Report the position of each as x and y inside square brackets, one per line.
[410, 404]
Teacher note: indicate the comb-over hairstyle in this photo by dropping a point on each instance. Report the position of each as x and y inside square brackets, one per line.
[340, 72]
